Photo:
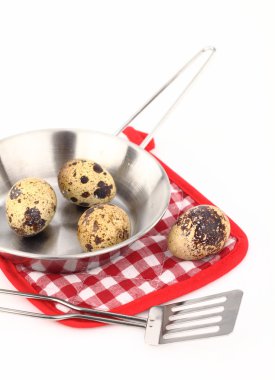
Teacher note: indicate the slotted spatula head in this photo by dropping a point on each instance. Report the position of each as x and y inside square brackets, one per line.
[193, 319]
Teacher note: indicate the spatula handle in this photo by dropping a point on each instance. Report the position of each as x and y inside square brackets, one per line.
[62, 317]
[111, 317]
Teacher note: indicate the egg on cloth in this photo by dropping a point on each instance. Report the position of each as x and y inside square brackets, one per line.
[30, 206]
[86, 183]
[201, 231]
[102, 226]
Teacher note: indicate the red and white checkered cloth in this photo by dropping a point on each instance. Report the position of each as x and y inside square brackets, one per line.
[142, 268]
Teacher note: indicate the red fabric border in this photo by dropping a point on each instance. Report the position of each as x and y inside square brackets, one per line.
[159, 296]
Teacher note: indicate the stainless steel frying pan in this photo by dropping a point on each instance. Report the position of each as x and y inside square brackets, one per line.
[143, 189]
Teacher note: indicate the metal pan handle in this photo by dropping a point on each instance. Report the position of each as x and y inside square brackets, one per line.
[210, 50]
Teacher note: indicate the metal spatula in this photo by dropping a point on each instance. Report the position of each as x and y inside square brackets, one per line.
[192, 319]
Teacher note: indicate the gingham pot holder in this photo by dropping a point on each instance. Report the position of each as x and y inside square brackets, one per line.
[144, 274]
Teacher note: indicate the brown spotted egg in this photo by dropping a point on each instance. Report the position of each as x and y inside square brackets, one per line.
[102, 226]
[201, 231]
[30, 206]
[86, 183]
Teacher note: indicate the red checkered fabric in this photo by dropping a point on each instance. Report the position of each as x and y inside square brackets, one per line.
[140, 269]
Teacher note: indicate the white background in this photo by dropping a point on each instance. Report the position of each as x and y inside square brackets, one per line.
[88, 64]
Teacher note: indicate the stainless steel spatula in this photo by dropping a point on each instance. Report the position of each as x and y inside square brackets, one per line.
[192, 319]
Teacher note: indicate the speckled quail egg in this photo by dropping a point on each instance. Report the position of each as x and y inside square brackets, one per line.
[86, 183]
[201, 231]
[30, 206]
[102, 226]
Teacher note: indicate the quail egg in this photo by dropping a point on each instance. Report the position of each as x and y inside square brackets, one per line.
[30, 206]
[86, 183]
[102, 226]
[201, 231]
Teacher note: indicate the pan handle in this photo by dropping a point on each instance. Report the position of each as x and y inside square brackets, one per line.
[210, 50]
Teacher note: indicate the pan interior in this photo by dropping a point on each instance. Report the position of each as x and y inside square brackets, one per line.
[142, 186]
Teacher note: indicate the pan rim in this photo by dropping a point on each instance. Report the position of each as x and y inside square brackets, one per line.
[100, 252]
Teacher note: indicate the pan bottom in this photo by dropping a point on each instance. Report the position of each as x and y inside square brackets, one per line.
[60, 237]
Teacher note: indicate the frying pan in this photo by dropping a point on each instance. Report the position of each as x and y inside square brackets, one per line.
[143, 189]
